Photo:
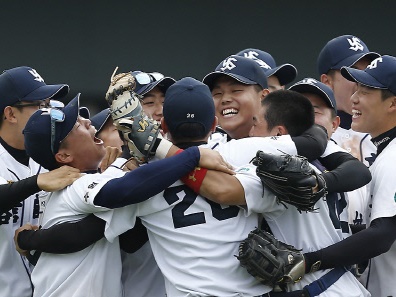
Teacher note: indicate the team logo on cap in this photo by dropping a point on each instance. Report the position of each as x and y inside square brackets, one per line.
[36, 75]
[310, 81]
[355, 44]
[374, 63]
[253, 55]
[228, 64]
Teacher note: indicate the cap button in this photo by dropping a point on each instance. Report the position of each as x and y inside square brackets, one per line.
[190, 87]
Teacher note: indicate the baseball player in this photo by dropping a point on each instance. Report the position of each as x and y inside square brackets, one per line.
[373, 112]
[206, 232]
[323, 101]
[277, 76]
[238, 85]
[22, 91]
[303, 230]
[54, 137]
[152, 86]
[348, 51]
[140, 273]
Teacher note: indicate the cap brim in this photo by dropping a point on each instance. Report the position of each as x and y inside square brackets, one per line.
[210, 78]
[163, 84]
[362, 77]
[310, 88]
[100, 119]
[348, 62]
[71, 111]
[47, 92]
[285, 73]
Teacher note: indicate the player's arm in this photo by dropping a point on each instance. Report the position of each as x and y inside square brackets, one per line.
[71, 237]
[312, 143]
[11, 194]
[150, 179]
[68, 237]
[349, 251]
[222, 188]
[345, 172]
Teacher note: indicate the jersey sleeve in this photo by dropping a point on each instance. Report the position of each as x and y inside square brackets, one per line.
[258, 199]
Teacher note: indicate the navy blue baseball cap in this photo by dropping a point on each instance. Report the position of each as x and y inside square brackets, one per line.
[99, 119]
[146, 81]
[342, 51]
[25, 84]
[38, 132]
[380, 74]
[285, 73]
[240, 68]
[311, 85]
[188, 101]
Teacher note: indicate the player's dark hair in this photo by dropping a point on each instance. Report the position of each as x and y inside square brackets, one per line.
[385, 94]
[290, 109]
[188, 132]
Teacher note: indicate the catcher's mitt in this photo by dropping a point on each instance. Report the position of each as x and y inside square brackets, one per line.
[140, 134]
[138, 131]
[291, 178]
[121, 98]
[270, 260]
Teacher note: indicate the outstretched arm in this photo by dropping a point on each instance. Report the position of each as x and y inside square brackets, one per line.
[15, 192]
[349, 251]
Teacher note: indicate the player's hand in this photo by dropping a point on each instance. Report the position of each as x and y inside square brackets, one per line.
[57, 179]
[211, 159]
[131, 165]
[27, 226]
[112, 153]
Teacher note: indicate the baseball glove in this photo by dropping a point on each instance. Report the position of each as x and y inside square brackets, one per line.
[270, 260]
[138, 131]
[291, 178]
[140, 134]
[121, 98]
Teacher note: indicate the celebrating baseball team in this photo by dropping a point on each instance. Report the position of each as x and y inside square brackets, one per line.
[243, 183]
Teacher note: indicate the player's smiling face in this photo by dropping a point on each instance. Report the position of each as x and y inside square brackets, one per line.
[235, 104]
[152, 103]
[370, 111]
[84, 149]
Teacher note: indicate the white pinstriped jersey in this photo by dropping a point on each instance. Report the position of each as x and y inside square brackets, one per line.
[93, 271]
[15, 269]
[382, 203]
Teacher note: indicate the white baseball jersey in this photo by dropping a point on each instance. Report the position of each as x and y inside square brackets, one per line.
[193, 239]
[94, 271]
[356, 143]
[307, 231]
[15, 269]
[141, 276]
[382, 203]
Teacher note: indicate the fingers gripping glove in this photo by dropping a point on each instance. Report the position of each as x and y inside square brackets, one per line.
[270, 260]
[291, 178]
[140, 134]
[121, 98]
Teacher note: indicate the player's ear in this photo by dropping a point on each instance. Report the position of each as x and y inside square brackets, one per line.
[336, 123]
[281, 130]
[327, 80]
[9, 114]
[62, 157]
[264, 93]
[164, 126]
[215, 123]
